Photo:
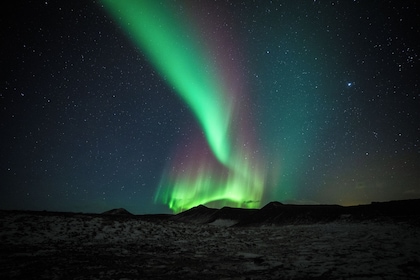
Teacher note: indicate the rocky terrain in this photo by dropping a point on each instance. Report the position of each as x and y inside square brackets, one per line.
[276, 242]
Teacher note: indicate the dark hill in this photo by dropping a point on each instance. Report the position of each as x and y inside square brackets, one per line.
[276, 213]
[233, 214]
[397, 209]
[118, 211]
[198, 215]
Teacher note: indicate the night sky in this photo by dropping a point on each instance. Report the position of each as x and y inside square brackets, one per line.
[303, 102]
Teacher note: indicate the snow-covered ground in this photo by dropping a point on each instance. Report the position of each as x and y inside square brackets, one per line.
[101, 247]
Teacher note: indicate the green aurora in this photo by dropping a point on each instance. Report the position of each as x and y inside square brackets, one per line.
[235, 178]
[177, 56]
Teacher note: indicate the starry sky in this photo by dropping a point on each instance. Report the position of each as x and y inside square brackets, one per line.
[303, 102]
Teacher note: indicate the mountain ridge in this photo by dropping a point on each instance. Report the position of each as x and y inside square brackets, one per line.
[277, 213]
[272, 214]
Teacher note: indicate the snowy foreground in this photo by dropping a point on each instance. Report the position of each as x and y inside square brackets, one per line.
[71, 246]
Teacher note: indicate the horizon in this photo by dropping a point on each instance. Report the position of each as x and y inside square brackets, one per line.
[215, 208]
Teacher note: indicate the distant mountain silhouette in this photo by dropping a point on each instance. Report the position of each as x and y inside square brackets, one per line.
[272, 214]
[204, 215]
[233, 214]
[199, 215]
[276, 213]
[118, 211]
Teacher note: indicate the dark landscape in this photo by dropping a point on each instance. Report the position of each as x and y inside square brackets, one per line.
[278, 241]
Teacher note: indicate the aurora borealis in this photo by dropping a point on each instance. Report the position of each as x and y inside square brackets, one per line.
[178, 57]
[158, 106]
[189, 65]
